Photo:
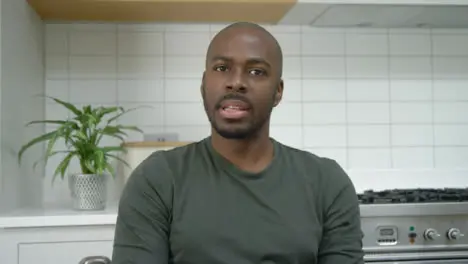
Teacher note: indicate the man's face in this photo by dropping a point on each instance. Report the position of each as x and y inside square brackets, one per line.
[241, 82]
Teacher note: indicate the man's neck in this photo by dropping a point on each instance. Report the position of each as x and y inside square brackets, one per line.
[252, 154]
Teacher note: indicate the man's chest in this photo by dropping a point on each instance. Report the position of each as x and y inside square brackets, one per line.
[235, 222]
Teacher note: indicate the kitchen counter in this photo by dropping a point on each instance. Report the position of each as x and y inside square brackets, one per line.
[55, 217]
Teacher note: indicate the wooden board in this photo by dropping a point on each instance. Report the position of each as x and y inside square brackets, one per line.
[208, 11]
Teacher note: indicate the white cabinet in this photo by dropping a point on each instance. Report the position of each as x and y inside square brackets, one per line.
[55, 245]
[62, 252]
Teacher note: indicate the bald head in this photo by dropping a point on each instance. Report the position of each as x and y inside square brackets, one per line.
[243, 68]
[265, 38]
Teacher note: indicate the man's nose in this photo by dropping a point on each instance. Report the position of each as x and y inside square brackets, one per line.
[236, 81]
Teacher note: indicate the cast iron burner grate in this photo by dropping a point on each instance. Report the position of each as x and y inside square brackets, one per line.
[414, 196]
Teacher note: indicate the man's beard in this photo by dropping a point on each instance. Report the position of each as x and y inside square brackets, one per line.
[250, 131]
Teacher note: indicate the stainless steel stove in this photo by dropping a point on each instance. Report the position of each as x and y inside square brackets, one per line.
[415, 226]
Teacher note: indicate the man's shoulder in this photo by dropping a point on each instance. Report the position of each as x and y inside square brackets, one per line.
[308, 159]
[326, 176]
[160, 171]
[175, 154]
[316, 168]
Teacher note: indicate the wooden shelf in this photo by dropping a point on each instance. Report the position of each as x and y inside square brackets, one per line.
[208, 11]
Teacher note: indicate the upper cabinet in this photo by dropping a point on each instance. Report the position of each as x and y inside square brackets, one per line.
[260, 11]
[319, 13]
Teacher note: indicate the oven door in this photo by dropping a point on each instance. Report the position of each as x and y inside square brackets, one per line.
[427, 257]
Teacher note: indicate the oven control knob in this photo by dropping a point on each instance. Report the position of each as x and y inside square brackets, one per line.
[454, 233]
[431, 234]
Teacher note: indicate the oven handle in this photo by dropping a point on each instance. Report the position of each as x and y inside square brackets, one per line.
[409, 256]
[446, 261]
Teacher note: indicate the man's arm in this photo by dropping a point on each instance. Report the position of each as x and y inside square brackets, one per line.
[143, 221]
[342, 234]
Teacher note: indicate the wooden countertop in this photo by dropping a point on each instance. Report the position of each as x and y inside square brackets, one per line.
[154, 144]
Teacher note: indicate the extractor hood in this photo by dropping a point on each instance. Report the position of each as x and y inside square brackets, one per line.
[437, 14]
[317, 13]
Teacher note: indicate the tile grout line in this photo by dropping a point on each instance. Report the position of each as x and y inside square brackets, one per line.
[431, 43]
[117, 67]
[69, 28]
[389, 86]
[163, 57]
[303, 127]
[346, 100]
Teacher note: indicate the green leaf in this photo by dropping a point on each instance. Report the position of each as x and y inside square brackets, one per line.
[114, 135]
[111, 149]
[119, 159]
[63, 166]
[108, 130]
[99, 162]
[112, 131]
[69, 106]
[107, 110]
[58, 122]
[134, 128]
[50, 146]
[110, 169]
[34, 141]
[81, 135]
[90, 168]
[112, 119]
[49, 156]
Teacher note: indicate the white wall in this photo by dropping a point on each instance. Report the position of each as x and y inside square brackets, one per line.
[389, 105]
[22, 78]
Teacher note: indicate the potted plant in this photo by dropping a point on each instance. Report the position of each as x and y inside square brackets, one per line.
[82, 134]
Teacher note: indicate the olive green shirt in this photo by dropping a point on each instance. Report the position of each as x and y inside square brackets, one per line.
[190, 205]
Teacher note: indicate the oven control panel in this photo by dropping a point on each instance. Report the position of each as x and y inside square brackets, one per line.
[453, 233]
[387, 235]
[411, 231]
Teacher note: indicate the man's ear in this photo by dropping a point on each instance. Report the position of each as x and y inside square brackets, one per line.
[279, 92]
[202, 86]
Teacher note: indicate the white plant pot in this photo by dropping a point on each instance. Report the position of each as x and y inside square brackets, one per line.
[88, 191]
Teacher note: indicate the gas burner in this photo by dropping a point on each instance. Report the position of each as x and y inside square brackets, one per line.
[414, 196]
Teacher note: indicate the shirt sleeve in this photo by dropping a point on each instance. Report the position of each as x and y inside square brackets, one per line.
[144, 213]
[342, 235]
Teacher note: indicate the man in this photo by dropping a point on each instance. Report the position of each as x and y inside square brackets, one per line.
[238, 196]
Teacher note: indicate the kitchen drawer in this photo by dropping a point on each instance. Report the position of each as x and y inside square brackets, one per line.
[62, 252]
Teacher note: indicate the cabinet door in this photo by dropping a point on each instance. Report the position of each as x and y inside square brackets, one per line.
[62, 252]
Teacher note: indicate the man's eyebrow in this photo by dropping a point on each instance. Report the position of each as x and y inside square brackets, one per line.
[220, 58]
[257, 60]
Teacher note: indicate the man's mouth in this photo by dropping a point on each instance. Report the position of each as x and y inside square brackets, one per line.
[234, 104]
[234, 109]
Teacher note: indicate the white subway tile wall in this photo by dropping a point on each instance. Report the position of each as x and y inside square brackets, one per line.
[371, 99]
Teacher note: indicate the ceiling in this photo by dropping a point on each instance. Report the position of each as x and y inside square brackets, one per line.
[378, 15]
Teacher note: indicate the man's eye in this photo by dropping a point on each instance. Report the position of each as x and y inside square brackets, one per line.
[220, 68]
[257, 72]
